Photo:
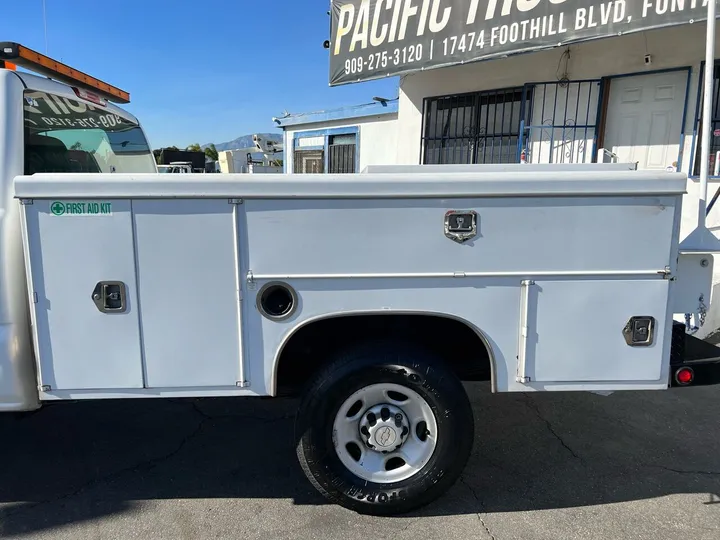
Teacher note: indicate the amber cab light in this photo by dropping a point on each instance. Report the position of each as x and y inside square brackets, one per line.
[14, 53]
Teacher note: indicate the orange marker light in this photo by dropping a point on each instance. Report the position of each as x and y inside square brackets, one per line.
[39, 63]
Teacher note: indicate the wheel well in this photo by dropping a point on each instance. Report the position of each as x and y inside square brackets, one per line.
[311, 347]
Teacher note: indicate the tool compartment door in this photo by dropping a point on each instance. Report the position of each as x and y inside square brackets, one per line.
[575, 331]
[71, 247]
[188, 286]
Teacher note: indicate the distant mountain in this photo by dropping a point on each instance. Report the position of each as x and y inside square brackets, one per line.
[245, 141]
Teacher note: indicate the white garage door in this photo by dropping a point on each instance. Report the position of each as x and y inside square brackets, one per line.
[644, 118]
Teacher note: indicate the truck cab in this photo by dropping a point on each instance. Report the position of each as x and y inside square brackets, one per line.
[63, 122]
[176, 167]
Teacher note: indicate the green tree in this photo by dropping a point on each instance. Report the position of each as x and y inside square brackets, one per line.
[211, 152]
[194, 148]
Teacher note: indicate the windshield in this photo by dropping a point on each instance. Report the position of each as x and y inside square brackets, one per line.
[64, 135]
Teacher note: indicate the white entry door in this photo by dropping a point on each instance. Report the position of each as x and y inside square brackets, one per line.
[644, 118]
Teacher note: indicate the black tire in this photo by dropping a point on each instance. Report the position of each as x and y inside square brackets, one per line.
[362, 366]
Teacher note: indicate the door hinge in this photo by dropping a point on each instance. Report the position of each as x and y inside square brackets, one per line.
[250, 278]
[26, 202]
[45, 388]
[666, 274]
[522, 376]
[242, 384]
[35, 298]
[235, 201]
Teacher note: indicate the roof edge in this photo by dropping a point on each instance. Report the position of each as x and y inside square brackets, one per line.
[343, 113]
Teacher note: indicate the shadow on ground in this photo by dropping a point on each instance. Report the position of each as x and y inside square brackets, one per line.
[78, 462]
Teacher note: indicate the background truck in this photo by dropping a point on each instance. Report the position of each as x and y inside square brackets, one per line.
[196, 160]
[176, 167]
[371, 296]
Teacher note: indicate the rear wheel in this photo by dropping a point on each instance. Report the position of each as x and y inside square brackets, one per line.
[384, 429]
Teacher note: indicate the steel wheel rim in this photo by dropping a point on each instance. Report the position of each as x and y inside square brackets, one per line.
[380, 463]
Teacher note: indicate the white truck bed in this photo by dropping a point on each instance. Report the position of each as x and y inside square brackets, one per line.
[560, 262]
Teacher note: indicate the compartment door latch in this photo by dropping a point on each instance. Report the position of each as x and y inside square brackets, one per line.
[639, 331]
[110, 297]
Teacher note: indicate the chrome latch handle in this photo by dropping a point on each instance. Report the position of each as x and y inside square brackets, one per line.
[110, 297]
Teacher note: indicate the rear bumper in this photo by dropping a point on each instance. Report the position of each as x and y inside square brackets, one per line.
[694, 356]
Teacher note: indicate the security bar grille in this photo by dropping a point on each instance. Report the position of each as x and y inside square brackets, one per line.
[715, 123]
[482, 127]
[308, 162]
[562, 121]
[341, 158]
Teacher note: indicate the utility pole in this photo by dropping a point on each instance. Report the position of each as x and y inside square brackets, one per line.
[45, 25]
[707, 125]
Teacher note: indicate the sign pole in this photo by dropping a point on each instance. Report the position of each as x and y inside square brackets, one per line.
[707, 111]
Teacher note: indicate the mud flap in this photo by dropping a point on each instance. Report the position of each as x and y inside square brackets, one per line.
[694, 359]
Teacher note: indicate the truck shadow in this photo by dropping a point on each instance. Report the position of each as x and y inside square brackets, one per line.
[73, 463]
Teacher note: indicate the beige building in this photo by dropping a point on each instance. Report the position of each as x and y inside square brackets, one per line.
[343, 140]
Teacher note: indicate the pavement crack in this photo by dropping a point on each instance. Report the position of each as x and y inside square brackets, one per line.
[198, 410]
[151, 463]
[257, 418]
[482, 507]
[410, 524]
[681, 471]
[148, 464]
[533, 407]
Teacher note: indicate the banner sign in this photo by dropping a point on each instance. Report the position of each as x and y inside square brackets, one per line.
[371, 39]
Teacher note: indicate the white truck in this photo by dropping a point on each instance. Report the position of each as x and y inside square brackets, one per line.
[176, 167]
[371, 296]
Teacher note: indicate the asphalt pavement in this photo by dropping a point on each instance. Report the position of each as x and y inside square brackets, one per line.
[640, 465]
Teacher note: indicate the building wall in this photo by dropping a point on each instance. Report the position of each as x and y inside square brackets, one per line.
[677, 47]
[377, 138]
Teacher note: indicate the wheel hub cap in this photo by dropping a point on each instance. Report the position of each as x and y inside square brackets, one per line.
[384, 433]
[384, 428]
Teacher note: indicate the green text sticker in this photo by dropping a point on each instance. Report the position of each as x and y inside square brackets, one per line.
[89, 208]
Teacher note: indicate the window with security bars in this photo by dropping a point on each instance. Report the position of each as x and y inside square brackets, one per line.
[714, 120]
[308, 162]
[562, 121]
[482, 127]
[341, 154]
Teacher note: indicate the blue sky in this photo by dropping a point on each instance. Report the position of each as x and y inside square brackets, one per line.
[196, 71]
